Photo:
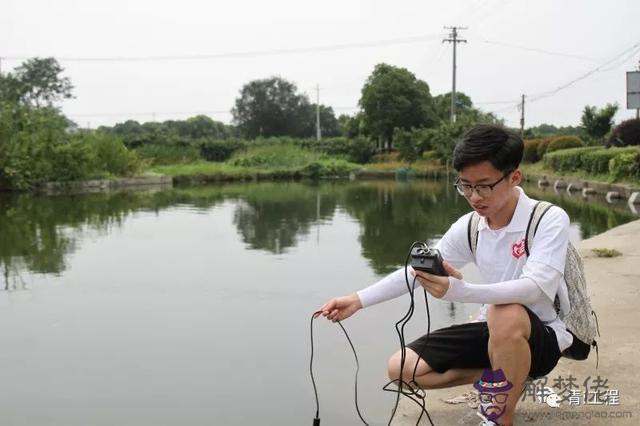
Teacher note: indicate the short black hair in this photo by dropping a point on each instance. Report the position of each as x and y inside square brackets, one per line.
[502, 147]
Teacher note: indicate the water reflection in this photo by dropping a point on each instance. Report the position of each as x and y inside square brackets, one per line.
[39, 232]
[273, 216]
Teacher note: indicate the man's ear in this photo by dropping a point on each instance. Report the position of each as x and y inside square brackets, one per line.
[516, 177]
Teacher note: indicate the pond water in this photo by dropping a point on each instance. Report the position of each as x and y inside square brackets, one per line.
[192, 305]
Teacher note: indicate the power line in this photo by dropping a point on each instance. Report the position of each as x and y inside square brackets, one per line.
[495, 102]
[543, 95]
[326, 48]
[533, 49]
[630, 52]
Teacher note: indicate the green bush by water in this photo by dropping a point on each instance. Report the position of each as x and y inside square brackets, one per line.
[617, 163]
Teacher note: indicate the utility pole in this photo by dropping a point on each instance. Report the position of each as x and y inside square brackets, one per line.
[522, 117]
[318, 133]
[453, 38]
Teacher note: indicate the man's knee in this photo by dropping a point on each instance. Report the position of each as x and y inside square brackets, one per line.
[393, 365]
[508, 322]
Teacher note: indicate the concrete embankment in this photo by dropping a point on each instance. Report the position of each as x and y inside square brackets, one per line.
[98, 185]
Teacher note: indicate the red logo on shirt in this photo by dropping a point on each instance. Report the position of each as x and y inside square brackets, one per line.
[518, 249]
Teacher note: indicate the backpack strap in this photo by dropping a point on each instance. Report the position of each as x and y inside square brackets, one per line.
[539, 210]
[472, 232]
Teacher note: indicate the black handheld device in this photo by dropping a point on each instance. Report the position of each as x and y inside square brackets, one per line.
[428, 260]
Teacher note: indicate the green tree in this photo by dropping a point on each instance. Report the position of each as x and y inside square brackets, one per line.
[271, 107]
[36, 83]
[352, 126]
[598, 122]
[392, 98]
[442, 105]
[444, 137]
[411, 144]
[465, 110]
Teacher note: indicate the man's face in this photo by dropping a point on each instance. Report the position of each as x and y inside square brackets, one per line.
[495, 198]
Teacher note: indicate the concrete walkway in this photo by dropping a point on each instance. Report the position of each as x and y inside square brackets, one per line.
[614, 284]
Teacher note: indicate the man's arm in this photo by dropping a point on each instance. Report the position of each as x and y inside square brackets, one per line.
[452, 246]
[524, 290]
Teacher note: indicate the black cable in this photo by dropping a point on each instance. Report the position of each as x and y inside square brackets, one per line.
[316, 421]
[414, 392]
[313, 381]
[413, 386]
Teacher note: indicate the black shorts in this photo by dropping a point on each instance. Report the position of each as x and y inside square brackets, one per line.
[466, 346]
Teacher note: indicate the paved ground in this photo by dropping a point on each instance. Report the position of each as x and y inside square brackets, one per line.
[614, 284]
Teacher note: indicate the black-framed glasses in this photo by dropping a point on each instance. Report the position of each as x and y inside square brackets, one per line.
[482, 189]
[488, 398]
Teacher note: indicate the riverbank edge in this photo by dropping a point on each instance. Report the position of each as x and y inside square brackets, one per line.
[558, 182]
[103, 185]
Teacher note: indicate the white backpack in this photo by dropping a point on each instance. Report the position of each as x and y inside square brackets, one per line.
[580, 319]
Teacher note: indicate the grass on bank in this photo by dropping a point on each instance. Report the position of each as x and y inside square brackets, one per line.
[539, 169]
[389, 163]
[287, 160]
[266, 161]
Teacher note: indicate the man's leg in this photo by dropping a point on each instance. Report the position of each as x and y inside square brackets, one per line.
[509, 331]
[426, 377]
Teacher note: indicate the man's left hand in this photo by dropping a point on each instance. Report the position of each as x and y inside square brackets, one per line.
[436, 285]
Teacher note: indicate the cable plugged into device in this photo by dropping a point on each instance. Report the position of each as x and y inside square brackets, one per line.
[423, 258]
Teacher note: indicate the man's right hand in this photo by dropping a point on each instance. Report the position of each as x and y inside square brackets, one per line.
[340, 308]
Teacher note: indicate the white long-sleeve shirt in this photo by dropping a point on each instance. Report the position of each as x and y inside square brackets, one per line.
[509, 275]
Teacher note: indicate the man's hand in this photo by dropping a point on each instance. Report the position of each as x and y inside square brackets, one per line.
[340, 308]
[436, 285]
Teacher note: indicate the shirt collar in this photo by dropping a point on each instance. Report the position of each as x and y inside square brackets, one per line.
[520, 218]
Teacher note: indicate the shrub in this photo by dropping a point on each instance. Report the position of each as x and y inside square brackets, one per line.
[71, 161]
[531, 151]
[357, 150]
[593, 160]
[360, 150]
[327, 168]
[219, 150]
[279, 155]
[564, 142]
[409, 143]
[568, 159]
[626, 133]
[625, 165]
[169, 153]
[543, 145]
[111, 155]
[597, 161]
[331, 146]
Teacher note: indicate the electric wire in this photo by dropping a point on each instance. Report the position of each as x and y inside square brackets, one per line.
[353, 349]
[242, 54]
[414, 392]
[542, 95]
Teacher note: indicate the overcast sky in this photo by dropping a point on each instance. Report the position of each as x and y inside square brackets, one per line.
[513, 48]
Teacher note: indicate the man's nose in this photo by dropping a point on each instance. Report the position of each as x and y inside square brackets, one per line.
[474, 197]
